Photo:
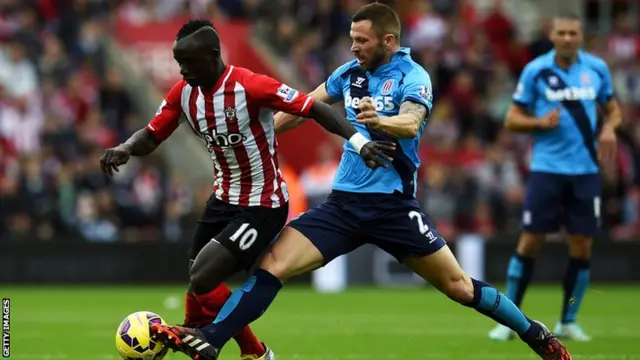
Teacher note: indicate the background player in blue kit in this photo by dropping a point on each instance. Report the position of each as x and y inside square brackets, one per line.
[386, 96]
[557, 99]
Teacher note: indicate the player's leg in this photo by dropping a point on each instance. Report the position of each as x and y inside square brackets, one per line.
[442, 270]
[541, 216]
[245, 239]
[583, 218]
[309, 242]
[409, 236]
[196, 314]
[204, 299]
[210, 224]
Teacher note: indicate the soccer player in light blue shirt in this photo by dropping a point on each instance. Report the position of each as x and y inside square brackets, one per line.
[387, 96]
[557, 99]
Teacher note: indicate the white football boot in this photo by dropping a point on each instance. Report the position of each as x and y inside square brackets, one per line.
[571, 331]
[501, 333]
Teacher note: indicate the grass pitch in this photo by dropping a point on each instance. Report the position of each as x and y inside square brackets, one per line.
[56, 323]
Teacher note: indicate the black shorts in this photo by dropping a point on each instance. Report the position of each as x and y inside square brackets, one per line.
[245, 230]
[348, 220]
[556, 200]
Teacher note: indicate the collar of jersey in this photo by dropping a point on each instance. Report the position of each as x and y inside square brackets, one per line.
[401, 53]
[579, 58]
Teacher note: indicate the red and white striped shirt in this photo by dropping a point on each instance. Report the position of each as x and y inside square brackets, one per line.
[235, 118]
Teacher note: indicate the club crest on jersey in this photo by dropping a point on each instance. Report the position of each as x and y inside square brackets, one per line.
[286, 93]
[584, 79]
[230, 115]
[553, 80]
[386, 87]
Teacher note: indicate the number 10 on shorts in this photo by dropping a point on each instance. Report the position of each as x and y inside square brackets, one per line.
[246, 235]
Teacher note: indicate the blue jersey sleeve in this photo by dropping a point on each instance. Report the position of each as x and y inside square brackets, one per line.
[605, 93]
[416, 87]
[335, 82]
[525, 93]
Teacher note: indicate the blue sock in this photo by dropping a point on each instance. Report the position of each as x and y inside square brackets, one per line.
[490, 302]
[519, 275]
[244, 306]
[576, 281]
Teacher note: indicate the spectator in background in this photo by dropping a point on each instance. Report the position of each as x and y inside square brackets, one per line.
[297, 197]
[499, 177]
[58, 109]
[541, 43]
[317, 179]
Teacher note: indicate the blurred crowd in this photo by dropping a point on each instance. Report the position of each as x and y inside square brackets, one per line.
[61, 104]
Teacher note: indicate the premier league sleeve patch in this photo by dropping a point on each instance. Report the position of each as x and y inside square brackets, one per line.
[287, 93]
[425, 93]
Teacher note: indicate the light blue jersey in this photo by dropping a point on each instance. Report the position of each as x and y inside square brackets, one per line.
[571, 148]
[388, 86]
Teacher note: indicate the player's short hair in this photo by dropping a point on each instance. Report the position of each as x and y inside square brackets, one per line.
[567, 15]
[193, 26]
[383, 19]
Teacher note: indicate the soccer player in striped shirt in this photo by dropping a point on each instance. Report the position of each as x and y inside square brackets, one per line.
[231, 109]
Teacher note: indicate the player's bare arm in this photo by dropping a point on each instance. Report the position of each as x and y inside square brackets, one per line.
[518, 120]
[284, 121]
[141, 143]
[405, 125]
[608, 141]
[612, 114]
[374, 153]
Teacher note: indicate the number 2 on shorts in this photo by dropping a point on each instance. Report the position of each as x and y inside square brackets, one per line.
[424, 228]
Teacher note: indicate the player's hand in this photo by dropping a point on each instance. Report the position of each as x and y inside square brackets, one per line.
[376, 153]
[368, 114]
[550, 120]
[112, 158]
[608, 144]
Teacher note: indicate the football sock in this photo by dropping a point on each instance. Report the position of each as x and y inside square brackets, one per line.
[194, 313]
[213, 300]
[490, 302]
[519, 275]
[245, 305]
[212, 303]
[576, 281]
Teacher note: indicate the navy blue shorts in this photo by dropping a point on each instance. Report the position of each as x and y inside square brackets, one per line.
[555, 200]
[348, 220]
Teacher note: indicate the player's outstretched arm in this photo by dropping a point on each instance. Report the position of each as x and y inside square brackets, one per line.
[284, 121]
[405, 125]
[374, 153]
[141, 143]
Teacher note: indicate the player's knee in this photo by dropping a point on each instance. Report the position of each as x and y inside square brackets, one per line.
[292, 254]
[529, 244]
[275, 265]
[459, 288]
[198, 280]
[580, 246]
[202, 278]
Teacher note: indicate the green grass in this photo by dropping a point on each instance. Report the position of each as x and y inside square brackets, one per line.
[53, 323]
